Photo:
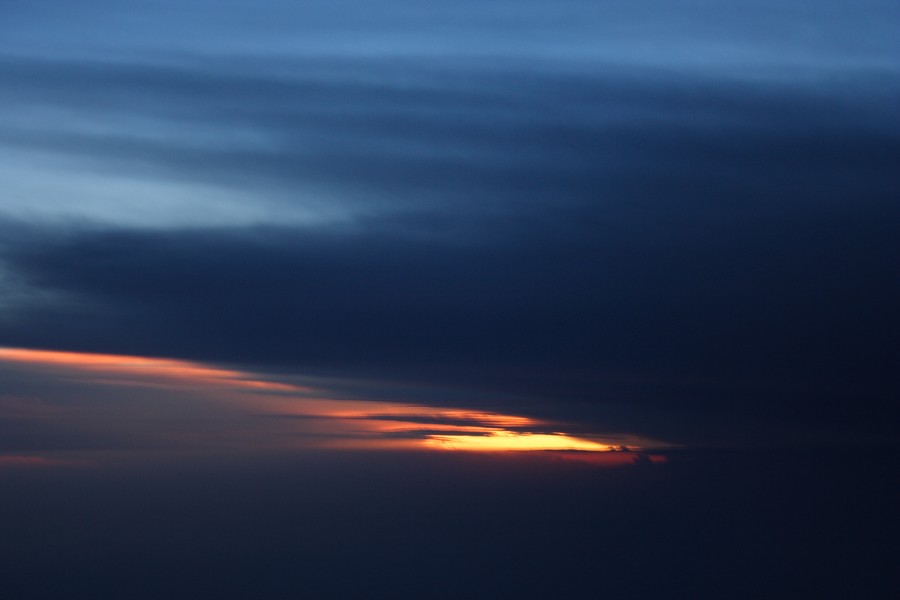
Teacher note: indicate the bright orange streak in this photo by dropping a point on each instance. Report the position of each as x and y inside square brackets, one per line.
[488, 418]
[139, 366]
[342, 423]
[365, 425]
[500, 441]
[401, 411]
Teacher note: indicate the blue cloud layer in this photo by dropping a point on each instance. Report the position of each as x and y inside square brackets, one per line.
[687, 207]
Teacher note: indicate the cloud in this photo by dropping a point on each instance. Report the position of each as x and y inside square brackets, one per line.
[697, 33]
[627, 238]
[341, 224]
[92, 408]
[790, 315]
[319, 141]
[573, 232]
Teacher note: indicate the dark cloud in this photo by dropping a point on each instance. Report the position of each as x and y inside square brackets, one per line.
[780, 312]
[663, 239]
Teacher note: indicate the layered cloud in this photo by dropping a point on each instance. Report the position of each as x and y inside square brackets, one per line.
[649, 234]
[317, 141]
[71, 409]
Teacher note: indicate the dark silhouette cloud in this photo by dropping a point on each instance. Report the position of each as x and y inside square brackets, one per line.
[716, 247]
[779, 310]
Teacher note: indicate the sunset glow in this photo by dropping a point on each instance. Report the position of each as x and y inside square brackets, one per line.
[501, 440]
[303, 416]
[140, 370]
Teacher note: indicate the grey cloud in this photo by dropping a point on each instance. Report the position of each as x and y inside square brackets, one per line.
[788, 316]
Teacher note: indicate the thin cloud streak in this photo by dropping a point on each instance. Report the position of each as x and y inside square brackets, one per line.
[335, 142]
[16, 461]
[225, 406]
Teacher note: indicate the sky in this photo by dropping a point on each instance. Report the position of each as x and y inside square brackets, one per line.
[550, 273]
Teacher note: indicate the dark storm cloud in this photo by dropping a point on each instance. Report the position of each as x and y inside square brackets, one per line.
[780, 312]
[661, 240]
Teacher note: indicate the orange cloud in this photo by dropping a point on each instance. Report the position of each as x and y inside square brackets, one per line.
[140, 370]
[305, 417]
